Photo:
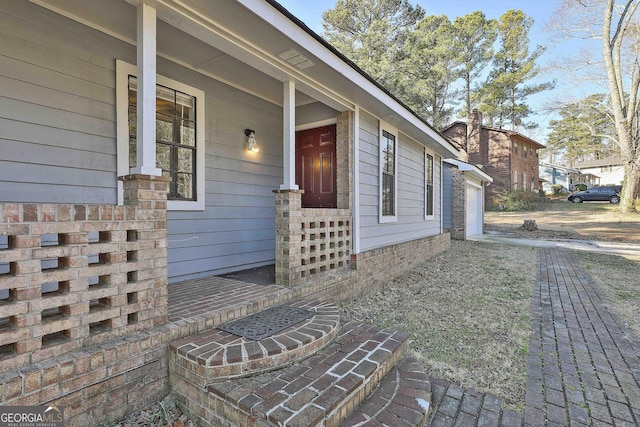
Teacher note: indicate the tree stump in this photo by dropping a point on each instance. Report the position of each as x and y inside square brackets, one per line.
[530, 225]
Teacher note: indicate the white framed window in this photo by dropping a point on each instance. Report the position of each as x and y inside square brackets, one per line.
[524, 181]
[428, 186]
[515, 180]
[388, 173]
[180, 135]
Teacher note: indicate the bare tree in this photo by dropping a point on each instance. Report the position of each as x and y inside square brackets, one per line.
[616, 24]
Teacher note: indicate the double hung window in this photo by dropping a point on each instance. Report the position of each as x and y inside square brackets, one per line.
[388, 176]
[179, 135]
[428, 177]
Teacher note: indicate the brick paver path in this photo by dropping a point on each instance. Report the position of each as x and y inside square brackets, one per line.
[583, 367]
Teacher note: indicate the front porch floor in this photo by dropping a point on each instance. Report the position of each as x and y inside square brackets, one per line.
[219, 297]
[200, 304]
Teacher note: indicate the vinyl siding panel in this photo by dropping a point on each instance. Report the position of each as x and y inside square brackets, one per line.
[411, 223]
[57, 114]
[58, 140]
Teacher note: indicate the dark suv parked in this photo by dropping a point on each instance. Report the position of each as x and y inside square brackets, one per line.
[603, 194]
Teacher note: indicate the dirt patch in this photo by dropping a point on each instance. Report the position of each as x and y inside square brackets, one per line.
[564, 220]
[521, 233]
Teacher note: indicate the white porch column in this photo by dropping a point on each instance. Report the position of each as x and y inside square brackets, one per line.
[146, 128]
[289, 136]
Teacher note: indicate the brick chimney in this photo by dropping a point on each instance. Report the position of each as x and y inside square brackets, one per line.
[474, 133]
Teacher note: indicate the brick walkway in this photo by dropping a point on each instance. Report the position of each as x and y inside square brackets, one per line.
[583, 367]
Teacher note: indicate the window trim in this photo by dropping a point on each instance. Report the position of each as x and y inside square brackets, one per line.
[384, 127]
[123, 71]
[428, 154]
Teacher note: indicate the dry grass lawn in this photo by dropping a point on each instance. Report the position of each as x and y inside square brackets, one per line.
[468, 313]
[468, 310]
[619, 278]
[590, 220]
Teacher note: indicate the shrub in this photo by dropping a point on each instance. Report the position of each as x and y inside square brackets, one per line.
[556, 188]
[517, 200]
[581, 187]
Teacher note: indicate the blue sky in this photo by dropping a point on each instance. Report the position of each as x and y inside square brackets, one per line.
[310, 12]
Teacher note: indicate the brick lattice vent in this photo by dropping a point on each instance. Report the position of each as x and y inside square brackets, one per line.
[326, 241]
[310, 242]
[82, 288]
[64, 283]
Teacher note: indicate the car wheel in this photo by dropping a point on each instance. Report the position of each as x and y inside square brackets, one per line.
[614, 200]
[577, 199]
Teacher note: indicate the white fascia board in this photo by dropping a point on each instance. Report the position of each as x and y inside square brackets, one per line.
[473, 170]
[309, 43]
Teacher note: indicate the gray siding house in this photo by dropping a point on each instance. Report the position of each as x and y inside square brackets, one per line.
[148, 148]
[69, 121]
[556, 175]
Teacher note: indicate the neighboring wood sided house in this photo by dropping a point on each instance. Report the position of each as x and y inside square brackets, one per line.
[249, 107]
[557, 175]
[609, 171]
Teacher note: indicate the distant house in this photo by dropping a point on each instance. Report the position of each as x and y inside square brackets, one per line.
[557, 175]
[578, 179]
[609, 171]
[508, 157]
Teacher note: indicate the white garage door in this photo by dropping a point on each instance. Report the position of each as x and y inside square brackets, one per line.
[474, 210]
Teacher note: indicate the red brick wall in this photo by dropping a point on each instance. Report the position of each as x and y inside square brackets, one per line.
[521, 164]
[377, 266]
[459, 214]
[493, 150]
[498, 166]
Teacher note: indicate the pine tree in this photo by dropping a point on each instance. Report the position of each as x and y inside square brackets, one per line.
[504, 96]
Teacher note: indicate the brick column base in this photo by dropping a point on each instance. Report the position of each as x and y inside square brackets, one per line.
[288, 235]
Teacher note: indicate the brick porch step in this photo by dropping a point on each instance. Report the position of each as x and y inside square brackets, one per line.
[214, 354]
[402, 399]
[320, 390]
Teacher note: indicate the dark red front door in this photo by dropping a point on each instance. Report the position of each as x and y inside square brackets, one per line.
[316, 166]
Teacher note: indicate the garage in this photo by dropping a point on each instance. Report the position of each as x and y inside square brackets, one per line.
[463, 198]
[474, 216]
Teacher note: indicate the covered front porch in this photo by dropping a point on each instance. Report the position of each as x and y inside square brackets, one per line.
[200, 304]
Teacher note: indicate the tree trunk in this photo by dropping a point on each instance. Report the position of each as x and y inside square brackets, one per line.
[623, 108]
[631, 188]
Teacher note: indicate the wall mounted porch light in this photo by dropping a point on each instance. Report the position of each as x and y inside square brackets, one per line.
[252, 145]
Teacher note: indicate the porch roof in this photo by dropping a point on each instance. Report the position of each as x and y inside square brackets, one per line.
[255, 45]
